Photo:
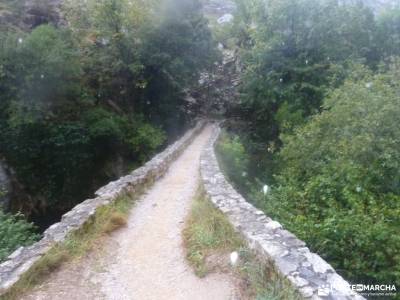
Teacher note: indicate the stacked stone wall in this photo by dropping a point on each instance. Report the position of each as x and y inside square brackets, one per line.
[311, 275]
[24, 258]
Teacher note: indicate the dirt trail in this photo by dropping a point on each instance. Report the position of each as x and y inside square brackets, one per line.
[145, 260]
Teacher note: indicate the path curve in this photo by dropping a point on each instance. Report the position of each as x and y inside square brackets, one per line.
[145, 260]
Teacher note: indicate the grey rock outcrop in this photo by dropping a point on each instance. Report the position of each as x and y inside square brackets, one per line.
[42, 12]
[5, 186]
[28, 14]
[312, 276]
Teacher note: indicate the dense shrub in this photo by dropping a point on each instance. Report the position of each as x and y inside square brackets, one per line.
[290, 54]
[58, 160]
[337, 183]
[51, 160]
[14, 232]
[293, 52]
[338, 188]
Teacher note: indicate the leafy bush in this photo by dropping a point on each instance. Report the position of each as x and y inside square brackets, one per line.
[51, 159]
[44, 72]
[338, 188]
[291, 52]
[105, 126]
[140, 138]
[146, 140]
[14, 232]
[338, 181]
[58, 160]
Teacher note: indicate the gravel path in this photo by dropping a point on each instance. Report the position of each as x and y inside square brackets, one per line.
[145, 259]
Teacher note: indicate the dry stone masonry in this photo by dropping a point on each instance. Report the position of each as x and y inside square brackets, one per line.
[313, 277]
[24, 258]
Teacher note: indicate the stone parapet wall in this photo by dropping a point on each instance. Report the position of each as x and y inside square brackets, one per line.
[24, 258]
[312, 276]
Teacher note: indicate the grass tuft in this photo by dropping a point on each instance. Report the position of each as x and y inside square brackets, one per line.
[116, 221]
[208, 232]
[261, 281]
[78, 244]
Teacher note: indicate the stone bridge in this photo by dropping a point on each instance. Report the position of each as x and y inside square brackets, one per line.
[313, 277]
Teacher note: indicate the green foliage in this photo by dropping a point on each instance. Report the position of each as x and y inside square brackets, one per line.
[56, 160]
[107, 88]
[14, 232]
[320, 83]
[291, 50]
[147, 139]
[288, 119]
[388, 33]
[104, 124]
[175, 50]
[45, 74]
[143, 67]
[207, 231]
[131, 132]
[185, 40]
[47, 157]
[338, 186]
[233, 156]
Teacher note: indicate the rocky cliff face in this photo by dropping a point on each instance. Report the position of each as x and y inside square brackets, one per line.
[12, 193]
[5, 186]
[217, 89]
[28, 14]
[42, 12]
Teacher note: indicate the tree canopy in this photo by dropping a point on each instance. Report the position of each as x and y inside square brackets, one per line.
[93, 92]
[316, 121]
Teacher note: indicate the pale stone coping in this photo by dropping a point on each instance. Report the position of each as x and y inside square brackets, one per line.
[309, 274]
[24, 258]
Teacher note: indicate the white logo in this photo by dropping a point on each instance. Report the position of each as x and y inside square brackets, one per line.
[324, 290]
[373, 287]
[363, 289]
